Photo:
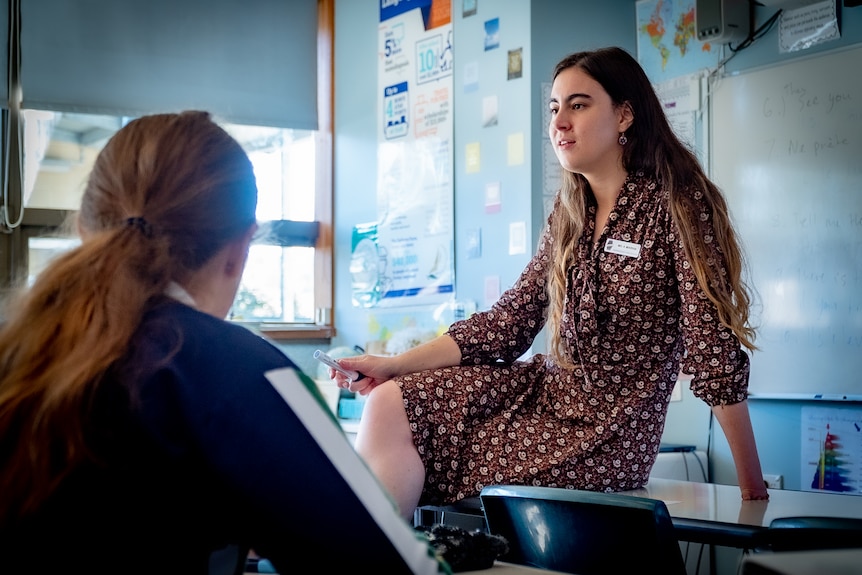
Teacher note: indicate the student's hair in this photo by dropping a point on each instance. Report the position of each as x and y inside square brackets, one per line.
[166, 193]
[654, 148]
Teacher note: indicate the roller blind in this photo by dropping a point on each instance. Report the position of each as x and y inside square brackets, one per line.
[245, 61]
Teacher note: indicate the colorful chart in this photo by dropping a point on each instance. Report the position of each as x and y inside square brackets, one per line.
[832, 445]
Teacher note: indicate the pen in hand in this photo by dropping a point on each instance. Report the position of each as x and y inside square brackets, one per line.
[351, 374]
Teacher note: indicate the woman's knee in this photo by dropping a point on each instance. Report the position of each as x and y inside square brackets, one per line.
[386, 398]
[384, 418]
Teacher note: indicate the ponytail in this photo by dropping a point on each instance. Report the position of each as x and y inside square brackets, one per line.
[71, 326]
[166, 193]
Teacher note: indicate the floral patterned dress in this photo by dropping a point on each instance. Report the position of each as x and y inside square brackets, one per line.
[630, 320]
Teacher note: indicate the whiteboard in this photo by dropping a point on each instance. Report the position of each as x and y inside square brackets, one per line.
[786, 147]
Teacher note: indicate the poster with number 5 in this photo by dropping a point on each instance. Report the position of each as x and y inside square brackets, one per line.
[415, 191]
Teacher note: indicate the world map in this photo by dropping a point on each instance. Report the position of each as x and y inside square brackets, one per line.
[667, 40]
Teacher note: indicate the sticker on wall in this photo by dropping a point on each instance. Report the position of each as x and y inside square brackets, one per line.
[517, 238]
[471, 77]
[474, 243]
[492, 34]
[515, 64]
[515, 149]
[492, 290]
[489, 111]
[472, 158]
[493, 198]
[468, 8]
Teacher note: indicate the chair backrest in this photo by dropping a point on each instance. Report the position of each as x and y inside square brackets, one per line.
[584, 532]
[813, 532]
[230, 560]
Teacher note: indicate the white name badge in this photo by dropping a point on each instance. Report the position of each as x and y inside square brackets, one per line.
[622, 248]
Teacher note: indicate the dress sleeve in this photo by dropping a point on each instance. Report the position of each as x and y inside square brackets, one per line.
[507, 329]
[713, 354]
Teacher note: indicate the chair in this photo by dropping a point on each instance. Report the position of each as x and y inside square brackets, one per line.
[230, 560]
[812, 532]
[466, 513]
[583, 532]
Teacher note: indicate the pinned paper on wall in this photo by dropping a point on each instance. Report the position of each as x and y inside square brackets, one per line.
[471, 77]
[492, 34]
[472, 157]
[493, 198]
[680, 98]
[492, 290]
[515, 148]
[468, 8]
[515, 67]
[415, 260]
[805, 26]
[474, 243]
[517, 238]
[832, 450]
[489, 111]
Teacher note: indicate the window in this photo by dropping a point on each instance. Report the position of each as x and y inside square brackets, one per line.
[278, 284]
[286, 290]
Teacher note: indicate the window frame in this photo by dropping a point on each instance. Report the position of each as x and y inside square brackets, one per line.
[323, 327]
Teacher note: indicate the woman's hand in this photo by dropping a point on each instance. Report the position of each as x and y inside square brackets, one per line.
[755, 494]
[441, 351]
[375, 369]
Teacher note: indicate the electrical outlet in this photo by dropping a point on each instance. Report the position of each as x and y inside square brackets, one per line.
[773, 481]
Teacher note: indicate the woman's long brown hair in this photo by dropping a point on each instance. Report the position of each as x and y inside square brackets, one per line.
[166, 193]
[654, 148]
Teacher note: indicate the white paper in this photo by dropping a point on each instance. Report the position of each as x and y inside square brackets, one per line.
[803, 27]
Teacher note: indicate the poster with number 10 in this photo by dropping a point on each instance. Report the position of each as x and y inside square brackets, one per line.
[415, 191]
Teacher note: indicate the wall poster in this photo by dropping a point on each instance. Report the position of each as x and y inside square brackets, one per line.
[667, 40]
[832, 450]
[415, 189]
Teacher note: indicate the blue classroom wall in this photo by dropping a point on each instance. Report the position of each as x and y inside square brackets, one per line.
[547, 30]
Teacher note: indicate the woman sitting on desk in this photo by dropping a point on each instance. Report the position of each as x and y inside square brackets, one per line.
[637, 275]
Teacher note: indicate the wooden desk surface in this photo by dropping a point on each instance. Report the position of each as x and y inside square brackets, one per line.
[499, 568]
[712, 513]
[832, 561]
[503, 568]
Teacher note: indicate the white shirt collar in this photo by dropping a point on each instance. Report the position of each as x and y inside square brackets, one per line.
[177, 292]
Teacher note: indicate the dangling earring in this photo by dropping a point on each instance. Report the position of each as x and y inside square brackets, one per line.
[623, 140]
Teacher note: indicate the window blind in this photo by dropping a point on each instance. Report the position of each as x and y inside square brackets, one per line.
[245, 61]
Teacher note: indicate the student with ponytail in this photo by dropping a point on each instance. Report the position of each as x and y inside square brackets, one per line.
[138, 432]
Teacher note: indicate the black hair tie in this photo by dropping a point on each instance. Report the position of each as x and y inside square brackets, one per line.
[140, 224]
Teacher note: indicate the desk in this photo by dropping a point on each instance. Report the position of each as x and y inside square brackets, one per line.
[677, 461]
[499, 568]
[832, 561]
[715, 514]
[503, 568]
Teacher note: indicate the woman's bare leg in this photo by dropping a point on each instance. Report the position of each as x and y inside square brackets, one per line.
[385, 442]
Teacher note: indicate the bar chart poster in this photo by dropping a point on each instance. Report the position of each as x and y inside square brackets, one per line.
[832, 450]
